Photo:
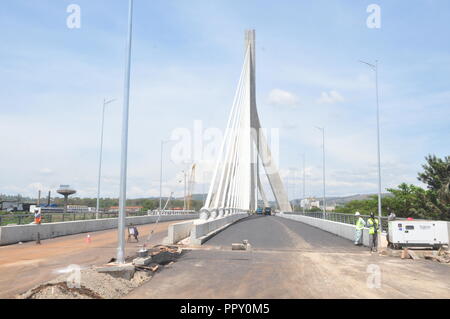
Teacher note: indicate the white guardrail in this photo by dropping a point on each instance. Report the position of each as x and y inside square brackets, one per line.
[157, 212]
[340, 229]
[23, 233]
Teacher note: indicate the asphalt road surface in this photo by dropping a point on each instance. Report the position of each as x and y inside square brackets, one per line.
[292, 260]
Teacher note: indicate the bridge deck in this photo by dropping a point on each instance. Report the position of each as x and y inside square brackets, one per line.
[291, 260]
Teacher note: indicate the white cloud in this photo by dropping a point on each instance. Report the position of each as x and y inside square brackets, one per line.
[46, 171]
[330, 97]
[283, 98]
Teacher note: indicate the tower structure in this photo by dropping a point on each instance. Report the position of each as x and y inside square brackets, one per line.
[236, 180]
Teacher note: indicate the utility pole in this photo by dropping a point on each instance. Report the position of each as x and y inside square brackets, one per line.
[322, 129]
[184, 205]
[123, 166]
[105, 102]
[161, 174]
[374, 67]
[304, 182]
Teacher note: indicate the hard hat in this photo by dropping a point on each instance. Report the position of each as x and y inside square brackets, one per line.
[357, 214]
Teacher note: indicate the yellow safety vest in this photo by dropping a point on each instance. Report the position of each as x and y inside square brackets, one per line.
[360, 224]
[372, 227]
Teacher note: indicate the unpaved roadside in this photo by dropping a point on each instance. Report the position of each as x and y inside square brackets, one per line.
[28, 265]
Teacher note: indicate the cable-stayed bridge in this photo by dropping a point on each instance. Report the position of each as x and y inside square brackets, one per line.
[236, 185]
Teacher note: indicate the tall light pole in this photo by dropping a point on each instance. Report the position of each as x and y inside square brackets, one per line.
[161, 173]
[184, 205]
[105, 102]
[322, 129]
[123, 166]
[304, 182]
[374, 67]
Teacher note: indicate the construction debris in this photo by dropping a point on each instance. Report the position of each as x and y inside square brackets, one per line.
[153, 268]
[244, 246]
[92, 285]
[142, 253]
[413, 255]
[238, 247]
[405, 254]
[164, 255]
[442, 255]
[142, 261]
[118, 271]
[110, 281]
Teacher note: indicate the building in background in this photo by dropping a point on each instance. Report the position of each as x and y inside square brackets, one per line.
[129, 209]
[78, 209]
[11, 206]
[310, 203]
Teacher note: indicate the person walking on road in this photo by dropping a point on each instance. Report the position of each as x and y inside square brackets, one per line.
[360, 223]
[133, 232]
[374, 231]
[37, 216]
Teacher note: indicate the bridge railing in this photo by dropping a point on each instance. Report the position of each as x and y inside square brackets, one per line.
[157, 212]
[48, 218]
[342, 218]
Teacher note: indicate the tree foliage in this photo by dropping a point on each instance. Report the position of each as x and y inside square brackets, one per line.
[407, 201]
[436, 172]
[365, 207]
[413, 201]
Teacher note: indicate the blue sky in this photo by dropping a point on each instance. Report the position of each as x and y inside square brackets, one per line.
[187, 57]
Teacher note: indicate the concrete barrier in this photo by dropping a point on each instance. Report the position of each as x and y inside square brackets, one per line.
[346, 231]
[178, 232]
[23, 233]
[204, 230]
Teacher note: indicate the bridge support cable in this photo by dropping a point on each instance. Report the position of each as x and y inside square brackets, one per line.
[236, 181]
[235, 106]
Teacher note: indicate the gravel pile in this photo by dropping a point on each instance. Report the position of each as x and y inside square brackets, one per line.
[94, 285]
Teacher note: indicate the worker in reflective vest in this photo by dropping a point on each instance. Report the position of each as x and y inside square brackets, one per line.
[360, 223]
[374, 230]
[37, 217]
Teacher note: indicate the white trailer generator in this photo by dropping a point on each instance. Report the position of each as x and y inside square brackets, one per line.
[420, 233]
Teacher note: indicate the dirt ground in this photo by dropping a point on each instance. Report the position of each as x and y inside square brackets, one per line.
[93, 285]
[25, 266]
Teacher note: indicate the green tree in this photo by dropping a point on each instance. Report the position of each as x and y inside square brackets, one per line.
[407, 201]
[436, 175]
[436, 172]
[365, 207]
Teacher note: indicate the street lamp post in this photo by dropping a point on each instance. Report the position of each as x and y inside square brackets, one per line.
[185, 203]
[161, 173]
[374, 67]
[123, 166]
[105, 102]
[322, 129]
[304, 182]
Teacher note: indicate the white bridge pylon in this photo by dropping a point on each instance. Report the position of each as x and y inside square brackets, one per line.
[235, 183]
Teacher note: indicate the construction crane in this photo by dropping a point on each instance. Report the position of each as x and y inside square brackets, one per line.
[191, 184]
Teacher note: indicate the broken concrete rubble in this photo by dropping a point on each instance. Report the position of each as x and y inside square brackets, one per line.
[142, 261]
[125, 271]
